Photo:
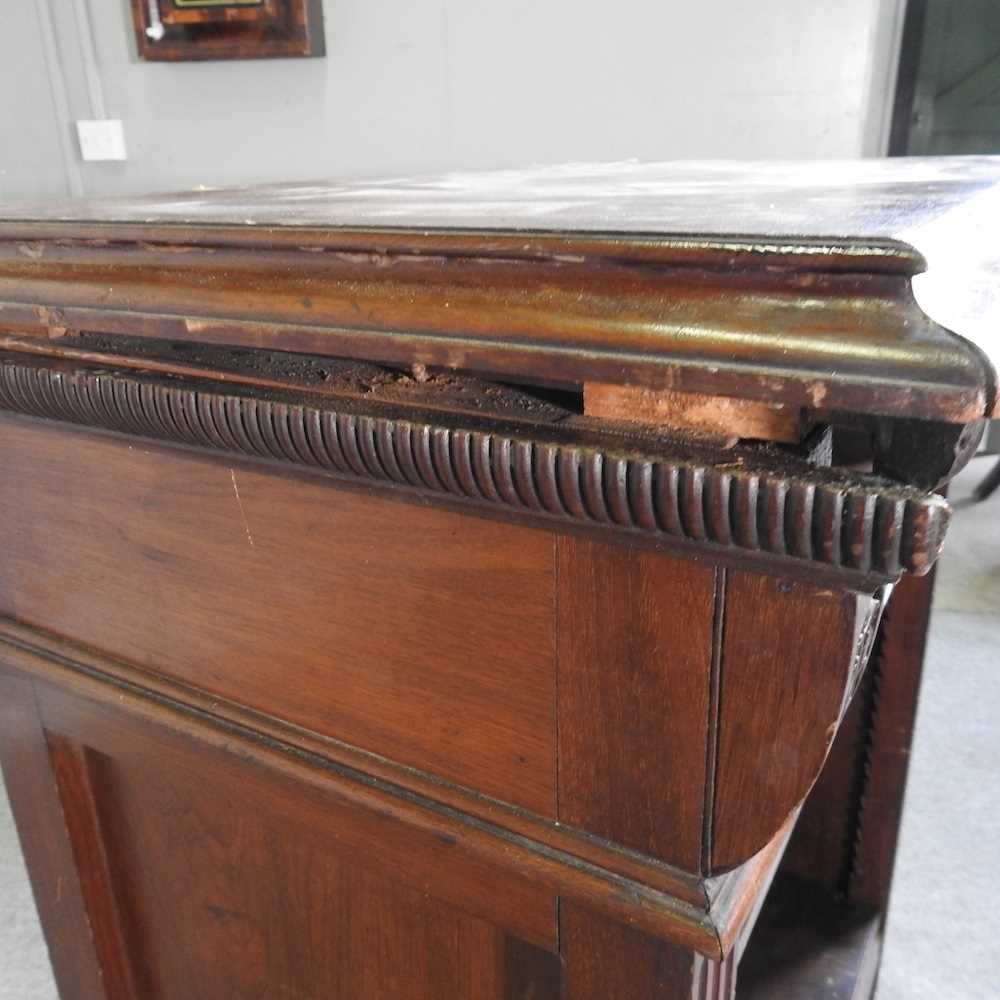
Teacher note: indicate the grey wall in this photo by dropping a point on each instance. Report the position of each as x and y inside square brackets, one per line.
[412, 85]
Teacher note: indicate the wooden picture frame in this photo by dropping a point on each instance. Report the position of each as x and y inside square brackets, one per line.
[179, 30]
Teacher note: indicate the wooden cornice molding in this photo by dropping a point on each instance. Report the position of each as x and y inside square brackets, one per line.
[719, 501]
[819, 324]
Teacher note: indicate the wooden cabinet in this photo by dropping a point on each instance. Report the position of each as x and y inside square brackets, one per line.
[398, 605]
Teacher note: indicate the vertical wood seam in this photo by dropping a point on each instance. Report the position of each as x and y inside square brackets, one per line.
[714, 712]
[558, 714]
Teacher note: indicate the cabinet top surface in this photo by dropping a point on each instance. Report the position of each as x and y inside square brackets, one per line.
[912, 200]
[824, 225]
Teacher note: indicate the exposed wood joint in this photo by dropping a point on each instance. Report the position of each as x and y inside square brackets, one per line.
[714, 710]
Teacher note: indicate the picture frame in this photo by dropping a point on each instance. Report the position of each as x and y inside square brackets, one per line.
[180, 30]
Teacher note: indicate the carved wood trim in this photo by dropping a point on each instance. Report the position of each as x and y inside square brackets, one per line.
[792, 511]
[657, 313]
[886, 731]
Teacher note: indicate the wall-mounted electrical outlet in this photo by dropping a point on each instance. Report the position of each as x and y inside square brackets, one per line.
[101, 140]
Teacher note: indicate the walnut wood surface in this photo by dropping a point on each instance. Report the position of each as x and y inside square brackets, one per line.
[41, 822]
[355, 617]
[706, 916]
[41, 654]
[633, 741]
[84, 800]
[184, 826]
[611, 683]
[614, 962]
[776, 727]
[312, 805]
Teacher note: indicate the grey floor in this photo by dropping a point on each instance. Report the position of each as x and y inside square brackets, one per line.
[944, 922]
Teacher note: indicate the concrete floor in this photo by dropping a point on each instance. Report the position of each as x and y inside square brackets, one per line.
[944, 921]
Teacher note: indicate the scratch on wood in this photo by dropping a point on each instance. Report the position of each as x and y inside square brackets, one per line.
[243, 513]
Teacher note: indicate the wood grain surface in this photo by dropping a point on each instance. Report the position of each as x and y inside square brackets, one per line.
[611, 961]
[789, 656]
[145, 747]
[635, 652]
[31, 786]
[404, 630]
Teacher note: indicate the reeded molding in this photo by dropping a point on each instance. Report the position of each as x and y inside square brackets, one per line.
[791, 511]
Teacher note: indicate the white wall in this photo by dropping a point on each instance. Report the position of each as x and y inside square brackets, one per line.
[414, 85]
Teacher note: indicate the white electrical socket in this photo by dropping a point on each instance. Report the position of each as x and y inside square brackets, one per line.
[101, 140]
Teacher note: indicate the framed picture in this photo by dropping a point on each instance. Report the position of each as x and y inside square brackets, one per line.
[228, 29]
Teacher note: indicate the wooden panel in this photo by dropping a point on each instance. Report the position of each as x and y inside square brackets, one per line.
[822, 845]
[73, 767]
[45, 842]
[291, 918]
[413, 632]
[635, 656]
[311, 802]
[789, 654]
[233, 882]
[650, 896]
[845, 837]
[605, 960]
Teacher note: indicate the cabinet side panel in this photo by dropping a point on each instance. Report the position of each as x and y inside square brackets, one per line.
[415, 633]
[635, 637]
[790, 653]
[232, 880]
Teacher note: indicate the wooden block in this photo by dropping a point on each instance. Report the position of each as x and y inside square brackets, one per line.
[635, 653]
[719, 416]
